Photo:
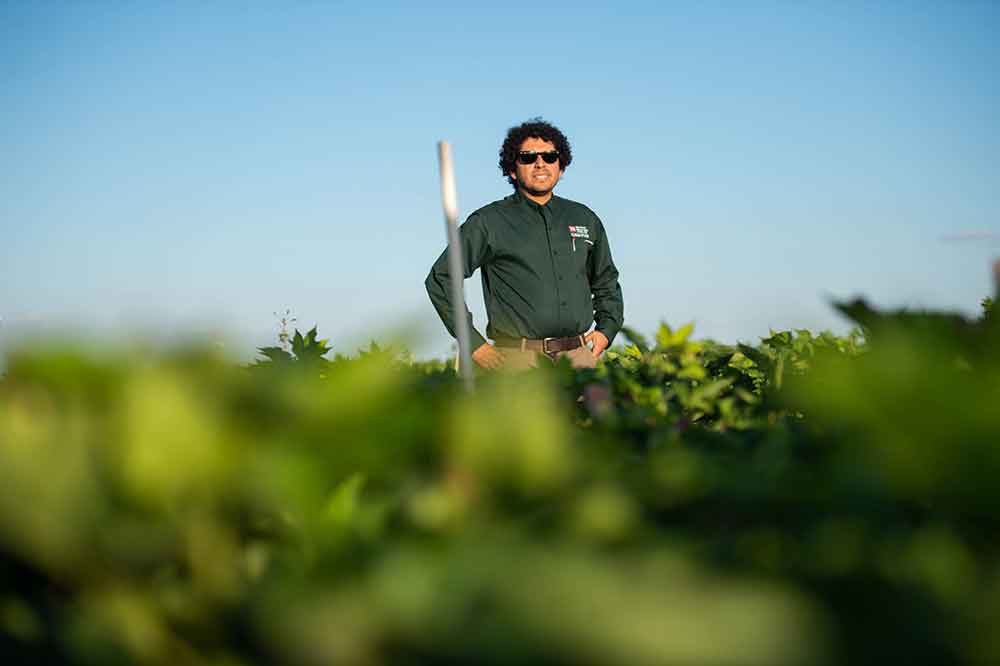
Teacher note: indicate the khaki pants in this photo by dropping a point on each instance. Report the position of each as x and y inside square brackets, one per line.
[516, 360]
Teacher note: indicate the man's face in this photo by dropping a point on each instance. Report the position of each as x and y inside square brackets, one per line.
[538, 178]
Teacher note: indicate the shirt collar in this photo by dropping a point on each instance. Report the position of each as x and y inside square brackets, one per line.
[521, 199]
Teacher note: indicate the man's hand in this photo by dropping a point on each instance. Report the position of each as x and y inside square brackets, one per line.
[599, 342]
[486, 356]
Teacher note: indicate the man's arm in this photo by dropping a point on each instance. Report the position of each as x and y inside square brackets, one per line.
[609, 307]
[475, 251]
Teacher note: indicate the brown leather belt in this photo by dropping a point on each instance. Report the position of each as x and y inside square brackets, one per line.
[548, 346]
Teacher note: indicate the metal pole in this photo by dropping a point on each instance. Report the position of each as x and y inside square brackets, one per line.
[456, 268]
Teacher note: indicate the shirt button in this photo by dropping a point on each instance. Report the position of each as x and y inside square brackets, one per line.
[564, 302]
[556, 252]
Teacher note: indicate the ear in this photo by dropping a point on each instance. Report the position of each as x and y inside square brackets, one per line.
[513, 174]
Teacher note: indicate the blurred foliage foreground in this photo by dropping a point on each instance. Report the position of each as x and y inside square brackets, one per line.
[810, 499]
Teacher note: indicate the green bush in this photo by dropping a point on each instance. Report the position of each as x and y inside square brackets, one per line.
[809, 499]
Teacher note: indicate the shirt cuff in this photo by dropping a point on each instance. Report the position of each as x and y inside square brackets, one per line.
[475, 340]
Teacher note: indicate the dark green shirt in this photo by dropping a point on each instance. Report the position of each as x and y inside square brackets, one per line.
[547, 271]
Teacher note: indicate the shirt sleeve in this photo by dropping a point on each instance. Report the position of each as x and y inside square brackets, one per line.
[475, 251]
[609, 307]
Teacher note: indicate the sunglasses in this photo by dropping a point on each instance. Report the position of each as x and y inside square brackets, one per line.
[527, 157]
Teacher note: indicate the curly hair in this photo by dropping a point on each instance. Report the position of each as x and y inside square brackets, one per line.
[538, 129]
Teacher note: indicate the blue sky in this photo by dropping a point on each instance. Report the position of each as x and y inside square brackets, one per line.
[197, 166]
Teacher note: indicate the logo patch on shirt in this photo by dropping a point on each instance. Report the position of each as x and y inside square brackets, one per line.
[583, 233]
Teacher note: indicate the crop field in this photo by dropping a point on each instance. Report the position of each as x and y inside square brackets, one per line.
[809, 499]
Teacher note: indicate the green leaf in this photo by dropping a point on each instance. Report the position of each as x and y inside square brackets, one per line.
[308, 349]
[712, 390]
[342, 504]
[634, 351]
[298, 344]
[681, 335]
[663, 336]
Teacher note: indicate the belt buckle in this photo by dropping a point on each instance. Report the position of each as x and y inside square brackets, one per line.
[545, 348]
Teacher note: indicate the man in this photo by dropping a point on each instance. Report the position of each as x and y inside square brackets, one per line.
[545, 262]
